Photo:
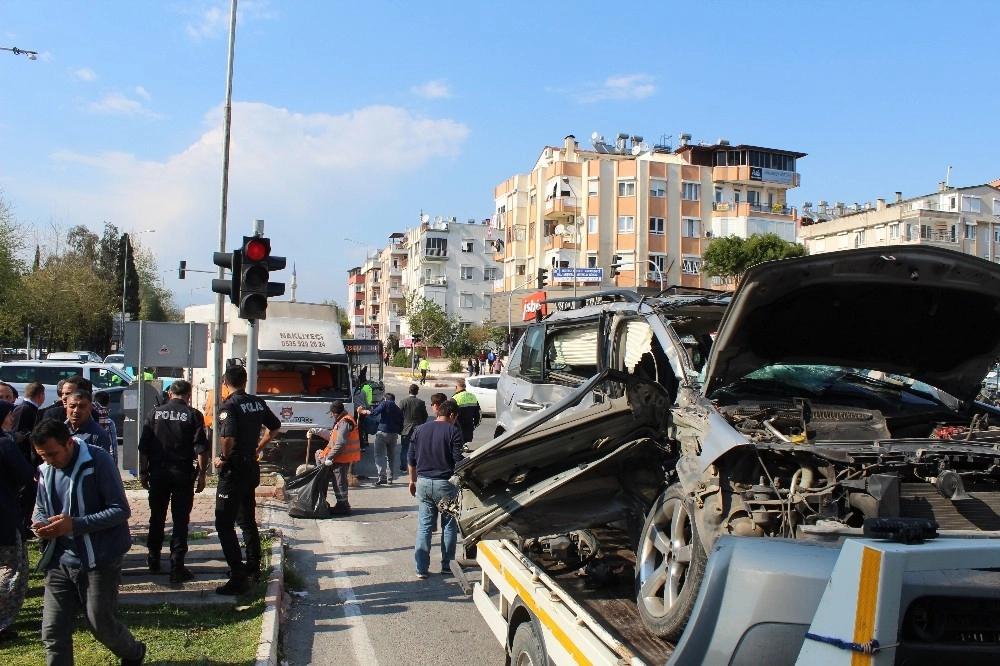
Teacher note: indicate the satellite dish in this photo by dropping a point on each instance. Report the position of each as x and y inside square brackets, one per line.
[560, 229]
[425, 218]
[437, 219]
[644, 147]
[595, 136]
[636, 149]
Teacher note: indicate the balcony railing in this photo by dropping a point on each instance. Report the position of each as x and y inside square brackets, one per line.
[433, 282]
[743, 208]
[564, 204]
[436, 253]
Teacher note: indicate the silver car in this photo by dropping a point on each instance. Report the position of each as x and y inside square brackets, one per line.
[836, 388]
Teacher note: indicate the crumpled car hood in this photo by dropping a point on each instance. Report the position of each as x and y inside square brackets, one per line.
[924, 312]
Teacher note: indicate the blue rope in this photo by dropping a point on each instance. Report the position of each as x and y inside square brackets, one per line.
[871, 647]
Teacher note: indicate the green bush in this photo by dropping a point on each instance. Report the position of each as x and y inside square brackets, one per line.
[401, 359]
[455, 364]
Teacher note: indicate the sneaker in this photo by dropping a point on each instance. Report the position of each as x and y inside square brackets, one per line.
[153, 562]
[139, 660]
[233, 587]
[421, 576]
[340, 509]
[180, 575]
[380, 482]
[445, 567]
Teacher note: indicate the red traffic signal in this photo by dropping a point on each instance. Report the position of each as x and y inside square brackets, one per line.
[257, 249]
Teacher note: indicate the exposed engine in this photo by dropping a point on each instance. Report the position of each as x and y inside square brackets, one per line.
[813, 463]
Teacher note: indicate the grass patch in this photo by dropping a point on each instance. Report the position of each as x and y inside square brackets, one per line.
[223, 633]
[294, 581]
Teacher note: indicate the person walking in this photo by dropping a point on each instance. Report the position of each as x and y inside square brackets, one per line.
[102, 401]
[435, 449]
[27, 410]
[414, 413]
[82, 513]
[15, 474]
[173, 436]
[343, 449]
[424, 366]
[83, 426]
[240, 420]
[469, 366]
[469, 414]
[390, 425]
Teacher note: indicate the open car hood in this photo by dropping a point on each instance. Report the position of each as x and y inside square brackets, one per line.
[923, 312]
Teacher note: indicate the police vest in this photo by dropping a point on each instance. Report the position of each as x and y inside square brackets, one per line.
[465, 399]
[351, 450]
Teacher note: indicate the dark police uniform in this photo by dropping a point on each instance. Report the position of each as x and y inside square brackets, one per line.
[241, 417]
[173, 435]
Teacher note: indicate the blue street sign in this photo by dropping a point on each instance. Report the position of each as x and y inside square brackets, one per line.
[582, 274]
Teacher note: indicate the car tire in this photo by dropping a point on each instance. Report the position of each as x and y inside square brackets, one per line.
[526, 648]
[669, 565]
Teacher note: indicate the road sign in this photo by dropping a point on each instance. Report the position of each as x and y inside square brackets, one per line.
[582, 274]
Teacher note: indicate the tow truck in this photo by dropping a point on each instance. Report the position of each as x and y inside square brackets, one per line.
[891, 593]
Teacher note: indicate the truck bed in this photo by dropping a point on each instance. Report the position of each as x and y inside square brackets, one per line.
[614, 603]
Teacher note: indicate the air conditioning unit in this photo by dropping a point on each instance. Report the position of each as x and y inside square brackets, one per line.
[708, 234]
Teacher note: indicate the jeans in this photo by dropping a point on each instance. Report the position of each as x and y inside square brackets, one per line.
[385, 453]
[97, 592]
[429, 493]
[171, 483]
[235, 503]
[404, 449]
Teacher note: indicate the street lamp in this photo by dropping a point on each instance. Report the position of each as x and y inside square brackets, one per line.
[121, 346]
[32, 55]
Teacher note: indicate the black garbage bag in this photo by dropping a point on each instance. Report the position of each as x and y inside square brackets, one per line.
[306, 493]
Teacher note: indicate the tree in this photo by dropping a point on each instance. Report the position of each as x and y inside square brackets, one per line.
[126, 277]
[157, 302]
[427, 319]
[731, 256]
[11, 267]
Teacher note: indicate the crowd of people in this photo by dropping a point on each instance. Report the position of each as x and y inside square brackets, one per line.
[484, 362]
[60, 483]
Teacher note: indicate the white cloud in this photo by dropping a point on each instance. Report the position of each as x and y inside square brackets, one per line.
[85, 74]
[141, 92]
[312, 177]
[117, 104]
[436, 89]
[212, 22]
[627, 86]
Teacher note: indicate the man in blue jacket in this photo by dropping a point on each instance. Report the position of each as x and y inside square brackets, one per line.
[82, 512]
[390, 425]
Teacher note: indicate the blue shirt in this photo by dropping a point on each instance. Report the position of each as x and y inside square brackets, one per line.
[435, 449]
[390, 417]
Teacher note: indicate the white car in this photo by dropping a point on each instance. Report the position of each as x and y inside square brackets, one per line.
[484, 387]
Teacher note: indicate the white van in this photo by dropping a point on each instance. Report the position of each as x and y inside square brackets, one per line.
[49, 373]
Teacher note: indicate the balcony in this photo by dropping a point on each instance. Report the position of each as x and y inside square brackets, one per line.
[557, 242]
[433, 281]
[744, 209]
[559, 207]
[396, 293]
[435, 254]
[755, 176]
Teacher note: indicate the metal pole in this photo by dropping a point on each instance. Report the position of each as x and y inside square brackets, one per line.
[121, 333]
[220, 304]
[253, 337]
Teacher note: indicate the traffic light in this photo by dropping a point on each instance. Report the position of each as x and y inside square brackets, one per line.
[615, 265]
[232, 261]
[182, 270]
[543, 277]
[255, 271]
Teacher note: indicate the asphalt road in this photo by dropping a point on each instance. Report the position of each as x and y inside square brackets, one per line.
[364, 604]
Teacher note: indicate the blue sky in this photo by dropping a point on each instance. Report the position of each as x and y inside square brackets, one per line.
[351, 117]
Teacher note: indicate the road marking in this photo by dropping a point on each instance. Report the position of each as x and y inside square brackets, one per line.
[364, 650]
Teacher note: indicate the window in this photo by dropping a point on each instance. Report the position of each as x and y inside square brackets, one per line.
[490, 273]
[534, 198]
[970, 232]
[718, 194]
[690, 227]
[626, 188]
[591, 261]
[996, 206]
[996, 234]
[394, 308]
[951, 203]
[466, 272]
[657, 188]
[592, 224]
[690, 265]
[859, 238]
[465, 300]
[691, 191]
[359, 288]
[436, 247]
[487, 301]
[894, 231]
[519, 269]
[753, 197]
[468, 244]
[494, 245]
[592, 187]
[657, 226]
[972, 204]
[626, 224]
[660, 260]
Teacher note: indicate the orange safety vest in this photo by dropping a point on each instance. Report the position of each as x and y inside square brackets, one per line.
[351, 451]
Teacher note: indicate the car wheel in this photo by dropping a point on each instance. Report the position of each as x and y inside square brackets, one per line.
[526, 648]
[669, 565]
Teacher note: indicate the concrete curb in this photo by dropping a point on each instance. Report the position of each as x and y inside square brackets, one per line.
[267, 648]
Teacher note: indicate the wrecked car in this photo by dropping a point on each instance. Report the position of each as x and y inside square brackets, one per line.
[834, 388]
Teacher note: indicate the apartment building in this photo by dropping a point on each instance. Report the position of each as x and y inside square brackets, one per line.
[652, 211]
[965, 219]
[355, 305]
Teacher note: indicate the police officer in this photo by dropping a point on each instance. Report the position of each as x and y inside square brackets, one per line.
[173, 435]
[469, 414]
[239, 421]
